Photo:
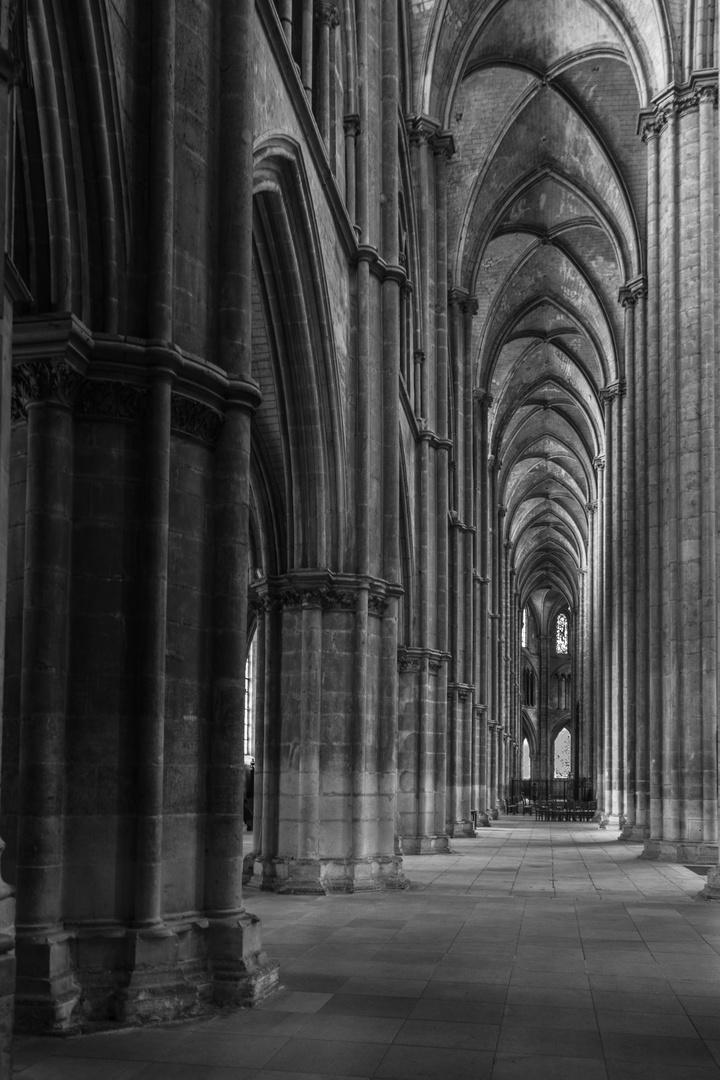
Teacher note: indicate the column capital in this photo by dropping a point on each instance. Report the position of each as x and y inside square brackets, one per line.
[443, 144]
[676, 100]
[612, 390]
[502, 510]
[50, 359]
[421, 129]
[482, 396]
[419, 356]
[633, 291]
[327, 14]
[456, 296]
[599, 462]
[351, 124]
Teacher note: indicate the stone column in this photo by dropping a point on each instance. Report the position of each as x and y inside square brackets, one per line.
[351, 127]
[9, 73]
[599, 632]
[386, 734]
[240, 970]
[681, 131]
[44, 389]
[150, 946]
[328, 19]
[443, 148]
[634, 615]
[306, 48]
[493, 770]
[483, 402]
[613, 674]
[545, 744]
[285, 14]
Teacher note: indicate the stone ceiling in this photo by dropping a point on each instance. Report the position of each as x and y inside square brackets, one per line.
[546, 225]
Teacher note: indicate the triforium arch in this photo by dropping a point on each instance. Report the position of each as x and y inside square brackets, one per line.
[363, 329]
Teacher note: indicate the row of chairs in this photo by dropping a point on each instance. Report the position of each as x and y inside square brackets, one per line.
[565, 810]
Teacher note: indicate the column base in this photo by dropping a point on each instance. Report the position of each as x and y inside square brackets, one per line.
[47, 994]
[611, 822]
[158, 982]
[241, 972]
[711, 891]
[109, 974]
[680, 851]
[425, 845]
[634, 834]
[324, 876]
[459, 829]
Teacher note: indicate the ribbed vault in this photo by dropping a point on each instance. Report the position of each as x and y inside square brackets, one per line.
[545, 226]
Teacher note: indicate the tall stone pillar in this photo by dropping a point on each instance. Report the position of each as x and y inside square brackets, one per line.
[9, 72]
[599, 633]
[48, 372]
[483, 402]
[240, 970]
[634, 567]
[327, 19]
[681, 133]
[613, 719]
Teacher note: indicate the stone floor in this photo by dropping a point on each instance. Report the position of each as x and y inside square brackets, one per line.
[534, 951]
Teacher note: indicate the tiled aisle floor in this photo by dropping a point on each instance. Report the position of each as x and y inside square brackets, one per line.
[534, 951]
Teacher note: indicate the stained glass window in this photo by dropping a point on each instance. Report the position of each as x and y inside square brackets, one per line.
[562, 754]
[250, 688]
[524, 629]
[561, 634]
[526, 760]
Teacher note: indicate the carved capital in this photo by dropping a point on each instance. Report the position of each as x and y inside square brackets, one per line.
[35, 381]
[482, 397]
[420, 130]
[195, 418]
[676, 101]
[419, 356]
[377, 605]
[456, 296]
[633, 291]
[443, 145]
[327, 14]
[612, 390]
[351, 124]
[599, 462]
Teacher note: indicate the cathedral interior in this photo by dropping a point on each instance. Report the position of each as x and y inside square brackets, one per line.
[359, 466]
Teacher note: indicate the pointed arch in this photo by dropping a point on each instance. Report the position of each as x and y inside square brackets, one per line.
[300, 422]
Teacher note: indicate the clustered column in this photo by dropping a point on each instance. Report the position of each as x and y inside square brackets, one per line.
[675, 485]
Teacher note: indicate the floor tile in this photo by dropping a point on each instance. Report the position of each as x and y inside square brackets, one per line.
[452, 1034]
[66, 1068]
[652, 1048]
[433, 1063]
[328, 1057]
[524, 1041]
[160, 1071]
[549, 1016]
[513, 1067]
[368, 1005]
[366, 1029]
[295, 1001]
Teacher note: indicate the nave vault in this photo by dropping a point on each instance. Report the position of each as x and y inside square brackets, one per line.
[359, 440]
